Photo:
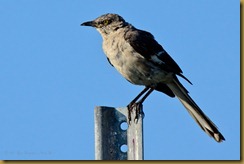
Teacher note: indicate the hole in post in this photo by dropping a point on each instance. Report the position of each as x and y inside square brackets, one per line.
[124, 126]
[124, 148]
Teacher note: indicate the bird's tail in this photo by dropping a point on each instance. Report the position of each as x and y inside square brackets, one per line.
[203, 121]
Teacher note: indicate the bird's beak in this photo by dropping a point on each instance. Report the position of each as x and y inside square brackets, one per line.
[89, 23]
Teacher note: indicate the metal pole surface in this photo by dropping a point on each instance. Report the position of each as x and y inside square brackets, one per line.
[135, 138]
[109, 136]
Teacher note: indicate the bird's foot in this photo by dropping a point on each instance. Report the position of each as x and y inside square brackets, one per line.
[138, 107]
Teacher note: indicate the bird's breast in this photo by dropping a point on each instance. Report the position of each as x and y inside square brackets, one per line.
[131, 65]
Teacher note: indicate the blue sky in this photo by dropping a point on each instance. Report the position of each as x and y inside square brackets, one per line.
[53, 73]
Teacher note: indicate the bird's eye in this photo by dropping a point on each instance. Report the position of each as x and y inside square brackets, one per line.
[106, 22]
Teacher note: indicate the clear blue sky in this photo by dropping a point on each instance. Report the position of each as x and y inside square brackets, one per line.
[53, 73]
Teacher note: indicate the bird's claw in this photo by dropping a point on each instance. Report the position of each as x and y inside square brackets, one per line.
[138, 107]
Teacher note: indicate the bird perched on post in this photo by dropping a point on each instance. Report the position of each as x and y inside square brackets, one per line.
[142, 61]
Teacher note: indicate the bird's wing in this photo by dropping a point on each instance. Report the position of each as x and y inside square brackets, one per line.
[144, 43]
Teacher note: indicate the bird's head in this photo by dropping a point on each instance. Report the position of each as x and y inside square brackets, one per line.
[106, 23]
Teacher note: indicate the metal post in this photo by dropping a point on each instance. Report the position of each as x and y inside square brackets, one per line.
[135, 138]
[109, 137]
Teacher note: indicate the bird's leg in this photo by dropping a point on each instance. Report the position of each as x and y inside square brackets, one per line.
[132, 103]
[138, 96]
[145, 96]
[138, 105]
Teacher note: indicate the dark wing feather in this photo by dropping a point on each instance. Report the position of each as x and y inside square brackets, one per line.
[144, 43]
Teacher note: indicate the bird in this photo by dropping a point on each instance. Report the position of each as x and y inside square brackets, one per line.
[141, 60]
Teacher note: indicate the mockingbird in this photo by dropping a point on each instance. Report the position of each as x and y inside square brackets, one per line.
[142, 61]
